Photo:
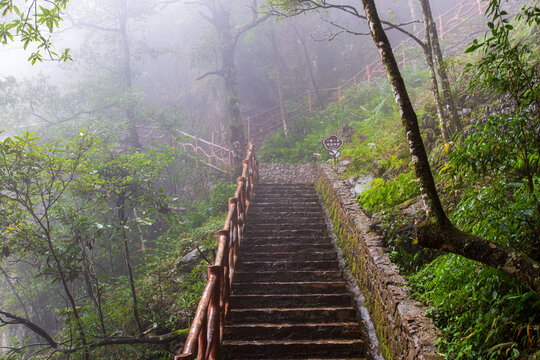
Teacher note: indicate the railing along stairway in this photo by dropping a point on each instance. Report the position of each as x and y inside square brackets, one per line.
[206, 332]
[213, 155]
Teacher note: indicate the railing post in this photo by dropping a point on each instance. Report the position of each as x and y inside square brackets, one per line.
[203, 338]
[441, 27]
[196, 145]
[368, 73]
[230, 158]
[480, 7]
[214, 313]
[339, 95]
[249, 128]
[310, 103]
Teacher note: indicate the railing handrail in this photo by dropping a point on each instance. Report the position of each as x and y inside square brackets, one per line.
[206, 331]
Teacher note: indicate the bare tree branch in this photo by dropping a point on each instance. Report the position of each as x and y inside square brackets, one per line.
[30, 325]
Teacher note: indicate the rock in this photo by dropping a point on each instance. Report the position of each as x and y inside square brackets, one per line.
[189, 261]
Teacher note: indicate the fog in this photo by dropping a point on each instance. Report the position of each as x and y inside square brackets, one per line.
[171, 44]
[202, 67]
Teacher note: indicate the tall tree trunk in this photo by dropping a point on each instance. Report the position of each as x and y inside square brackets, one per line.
[127, 74]
[437, 231]
[71, 298]
[310, 67]
[125, 249]
[277, 69]
[434, 86]
[448, 98]
[414, 16]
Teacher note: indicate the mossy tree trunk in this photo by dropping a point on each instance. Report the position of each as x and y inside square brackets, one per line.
[437, 231]
[220, 17]
[434, 85]
[448, 98]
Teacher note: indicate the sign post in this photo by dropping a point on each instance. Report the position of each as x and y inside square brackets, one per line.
[333, 143]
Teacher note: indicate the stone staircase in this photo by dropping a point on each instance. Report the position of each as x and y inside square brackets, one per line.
[289, 299]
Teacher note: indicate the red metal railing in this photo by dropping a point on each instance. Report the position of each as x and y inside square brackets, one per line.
[206, 332]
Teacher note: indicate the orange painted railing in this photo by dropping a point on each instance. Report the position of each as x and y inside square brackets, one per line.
[206, 332]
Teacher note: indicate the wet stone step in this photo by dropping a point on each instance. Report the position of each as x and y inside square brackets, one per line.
[290, 301]
[285, 199]
[285, 214]
[290, 349]
[292, 227]
[306, 287]
[284, 276]
[282, 206]
[248, 247]
[285, 220]
[265, 239]
[286, 233]
[299, 255]
[287, 265]
[291, 315]
[346, 330]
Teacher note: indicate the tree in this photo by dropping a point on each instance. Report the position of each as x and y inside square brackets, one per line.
[219, 15]
[66, 206]
[433, 40]
[437, 231]
[430, 47]
[33, 23]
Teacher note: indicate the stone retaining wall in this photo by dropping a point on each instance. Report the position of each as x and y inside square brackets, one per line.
[287, 174]
[402, 329]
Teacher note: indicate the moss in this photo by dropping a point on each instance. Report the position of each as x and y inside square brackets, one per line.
[348, 240]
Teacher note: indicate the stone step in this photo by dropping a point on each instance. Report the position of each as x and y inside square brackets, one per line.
[290, 349]
[262, 239]
[283, 207]
[287, 205]
[285, 220]
[285, 198]
[288, 255]
[250, 266]
[290, 301]
[306, 287]
[248, 247]
[289, 227]
[286, 233]
[284, 214]
[247, 332]
[266, 276]
[291, 315]
[307, 186]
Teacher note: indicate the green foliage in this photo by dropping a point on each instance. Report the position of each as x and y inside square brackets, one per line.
[28, 22]
[481, 311]
[387, 194]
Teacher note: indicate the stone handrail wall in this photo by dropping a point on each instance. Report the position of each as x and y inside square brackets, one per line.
[402, 329]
